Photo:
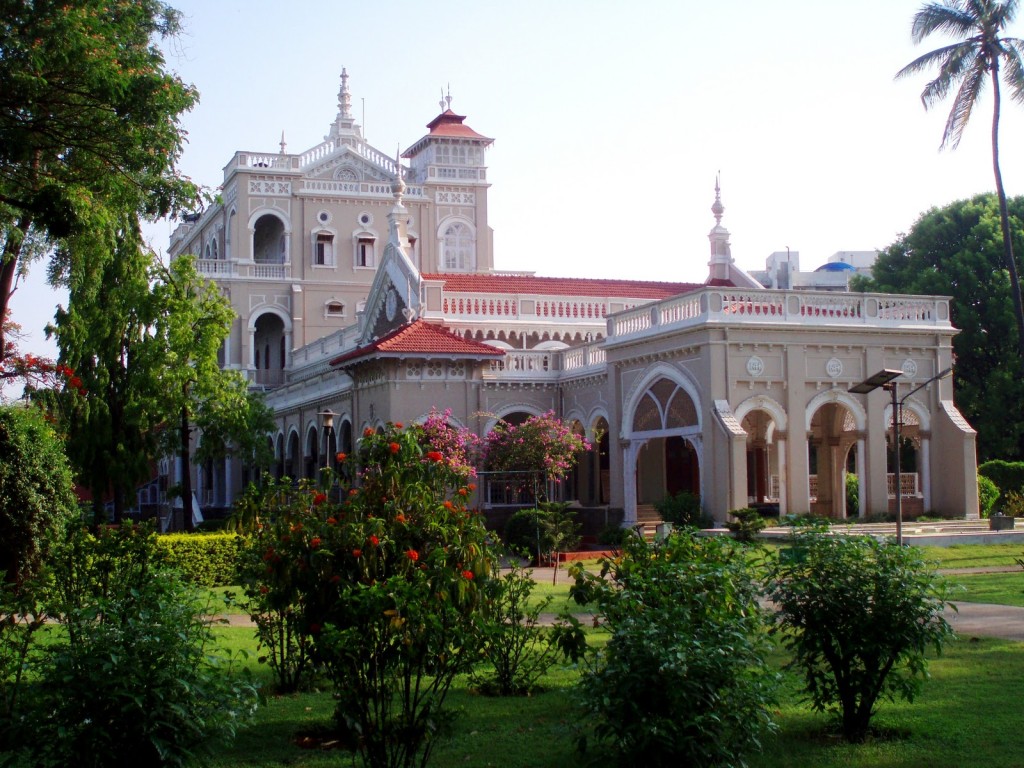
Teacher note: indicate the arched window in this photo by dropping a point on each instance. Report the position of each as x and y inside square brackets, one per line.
[458, 248]
[214, 250]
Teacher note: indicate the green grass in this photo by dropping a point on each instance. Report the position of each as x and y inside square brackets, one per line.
[998, 588]
[974, 555]
[966, 715]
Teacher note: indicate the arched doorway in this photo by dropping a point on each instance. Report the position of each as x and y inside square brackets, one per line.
[269, 354]
[667, 460]
[829, 458]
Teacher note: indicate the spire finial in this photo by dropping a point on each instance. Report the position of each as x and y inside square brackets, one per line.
[344, 97]
[283, 144]
[448, 98]
[398, 187]
[441, 102]
[717, 208]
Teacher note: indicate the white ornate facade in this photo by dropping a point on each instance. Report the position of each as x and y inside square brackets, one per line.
[368, 292]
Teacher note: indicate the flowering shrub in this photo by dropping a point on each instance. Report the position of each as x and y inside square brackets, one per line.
[456, 446]
[540, 444]
[388, 587]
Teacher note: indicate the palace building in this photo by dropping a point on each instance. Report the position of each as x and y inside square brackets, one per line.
[365, 292]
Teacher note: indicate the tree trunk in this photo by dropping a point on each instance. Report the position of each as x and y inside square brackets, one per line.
[1004, 220]
[8, 270]
[186, 474]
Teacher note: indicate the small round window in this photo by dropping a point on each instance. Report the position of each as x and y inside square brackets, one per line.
[365, 219]
[323, 217]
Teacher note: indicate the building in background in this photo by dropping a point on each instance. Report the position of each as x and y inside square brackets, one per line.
[366, 292]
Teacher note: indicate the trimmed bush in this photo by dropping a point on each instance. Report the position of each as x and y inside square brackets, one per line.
[1007, 475]
[209, 560]
[680, 509]
[526, 533]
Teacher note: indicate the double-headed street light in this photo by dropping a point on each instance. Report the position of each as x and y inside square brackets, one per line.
[886, 379]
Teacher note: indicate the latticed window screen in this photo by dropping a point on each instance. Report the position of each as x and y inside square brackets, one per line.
[648, 415]
[681, 411]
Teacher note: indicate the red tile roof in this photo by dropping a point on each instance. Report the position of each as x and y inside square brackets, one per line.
[561, 286]
[420, 338]
[450, 124]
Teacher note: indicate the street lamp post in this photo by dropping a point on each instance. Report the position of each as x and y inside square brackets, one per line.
[886, 379]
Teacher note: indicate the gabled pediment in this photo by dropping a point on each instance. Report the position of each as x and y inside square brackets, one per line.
[394, 297]
[345, 164]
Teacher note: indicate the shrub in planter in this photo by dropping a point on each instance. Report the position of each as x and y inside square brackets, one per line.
[988, 495]
[746, 524]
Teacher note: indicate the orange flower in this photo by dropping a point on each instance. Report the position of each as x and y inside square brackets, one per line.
[435, 456]
[341, 457]
[357, 553]
[472, 486]
[394, 447]
[368, 432]
[467, 574]
[448, 505]
[398, 425]
[412, 554]
[319, 498]
[314, 542]
[332, 521]
[400, 518]
[463, 492]
[374, 540]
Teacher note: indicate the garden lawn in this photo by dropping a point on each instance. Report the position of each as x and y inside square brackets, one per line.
[998, 588]
[966, 715]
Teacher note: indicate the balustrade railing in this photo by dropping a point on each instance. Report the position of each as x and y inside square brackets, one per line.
[908, 484]
[791, 307]
[524, 364]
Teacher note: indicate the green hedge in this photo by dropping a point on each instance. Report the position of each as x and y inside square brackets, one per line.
[1007, 475]
[208, 559]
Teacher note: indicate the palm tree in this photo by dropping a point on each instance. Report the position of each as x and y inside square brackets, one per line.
[975, 59]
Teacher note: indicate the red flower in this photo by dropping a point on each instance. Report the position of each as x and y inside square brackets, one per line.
[435, 456]
[264, 589]
[368, 432]
[463, 492]
[314, 542]
[374, 540]
[341, 457]
[412, 554]
[336, 578]
[394, 447]
[472, 486]
[449, 506]
[319, 498]
[357, 553]
[332, 520]
[400, 518]
[314, 628]
[467, 574]
[398, 425]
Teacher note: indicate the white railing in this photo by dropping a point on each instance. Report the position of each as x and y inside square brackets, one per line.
[549, 308]
[215, 267]
[331, 345]
[360, 188]
[264, 160]
[790, 307]
[583, 357]
[523, 364]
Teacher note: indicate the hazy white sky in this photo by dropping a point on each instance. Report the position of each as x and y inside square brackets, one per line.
[610, 119]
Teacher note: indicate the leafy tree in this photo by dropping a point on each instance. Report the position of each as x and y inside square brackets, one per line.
[682, 680]
[36, 493]
[979, 56]
[192, 321]
[955, 251]
[858, 616]
[89, 122]
[104, 335]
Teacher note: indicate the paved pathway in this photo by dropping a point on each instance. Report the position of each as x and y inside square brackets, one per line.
[971, 620]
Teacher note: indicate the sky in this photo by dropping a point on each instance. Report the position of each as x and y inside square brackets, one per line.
[611, 120]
